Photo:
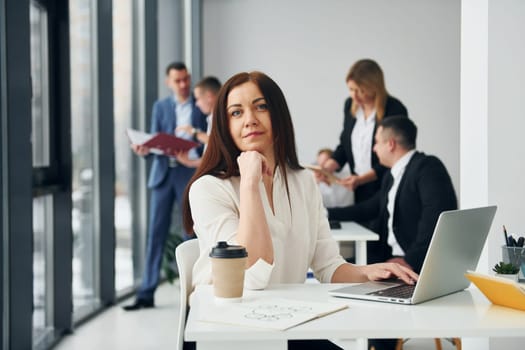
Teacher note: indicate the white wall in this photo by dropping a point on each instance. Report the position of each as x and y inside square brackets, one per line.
[170, 40]
[474, 121]
[506, 125]
[474, 109]
[308, 46]
[492, 159]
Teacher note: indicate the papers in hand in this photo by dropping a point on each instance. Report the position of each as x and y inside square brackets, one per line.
[269, 313]
[160, 143]
[331, 178]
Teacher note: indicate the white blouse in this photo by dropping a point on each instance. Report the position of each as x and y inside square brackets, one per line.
[335, 195]
[300, 231]
[362, 136]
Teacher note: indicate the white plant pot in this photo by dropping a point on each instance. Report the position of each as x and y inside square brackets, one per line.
[513, 277]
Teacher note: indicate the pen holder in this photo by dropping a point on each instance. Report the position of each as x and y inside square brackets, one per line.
[515, 256]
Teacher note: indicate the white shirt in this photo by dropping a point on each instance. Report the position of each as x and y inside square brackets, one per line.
[209, 118]
[300, 232]
[183, 113]
[397, 172]
[361, 137]
[335, 195]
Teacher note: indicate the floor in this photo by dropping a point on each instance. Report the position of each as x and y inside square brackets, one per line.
[117, 329]
[153, 329]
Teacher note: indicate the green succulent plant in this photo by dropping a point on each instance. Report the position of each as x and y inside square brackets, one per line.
[505, 268]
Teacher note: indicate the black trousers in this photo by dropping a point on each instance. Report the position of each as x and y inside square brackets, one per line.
[315, 344]
[382, 344]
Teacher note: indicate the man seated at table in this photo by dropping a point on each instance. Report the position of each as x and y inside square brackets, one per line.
[407, 206]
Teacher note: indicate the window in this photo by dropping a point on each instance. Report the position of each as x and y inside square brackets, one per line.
[42, 206]
[42, 276]
[83, 137]
[122, 92]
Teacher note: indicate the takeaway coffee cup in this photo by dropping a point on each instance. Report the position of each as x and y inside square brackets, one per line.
[228, 263]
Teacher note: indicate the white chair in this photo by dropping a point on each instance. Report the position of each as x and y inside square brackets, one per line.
[186, 254]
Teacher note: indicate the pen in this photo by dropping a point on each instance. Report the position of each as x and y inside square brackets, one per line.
[506, 236]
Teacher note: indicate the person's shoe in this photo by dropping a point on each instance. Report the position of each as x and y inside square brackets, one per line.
[139, 304]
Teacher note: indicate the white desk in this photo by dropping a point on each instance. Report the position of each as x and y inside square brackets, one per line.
[353, 232]
[462, 314]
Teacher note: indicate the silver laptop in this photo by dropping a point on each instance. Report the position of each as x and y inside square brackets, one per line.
[459, 237]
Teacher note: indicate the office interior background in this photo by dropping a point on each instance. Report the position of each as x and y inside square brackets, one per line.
[75, 74]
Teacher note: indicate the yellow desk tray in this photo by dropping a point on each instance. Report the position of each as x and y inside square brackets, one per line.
[499, 290]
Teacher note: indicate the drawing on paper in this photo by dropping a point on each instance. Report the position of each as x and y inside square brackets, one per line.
[274, 312]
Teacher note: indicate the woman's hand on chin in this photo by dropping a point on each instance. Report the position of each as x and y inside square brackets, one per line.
[254, 165]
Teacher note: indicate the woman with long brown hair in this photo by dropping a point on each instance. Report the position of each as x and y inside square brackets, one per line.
[250, 190]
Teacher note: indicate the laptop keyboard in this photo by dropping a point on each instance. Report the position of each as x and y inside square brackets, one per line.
[401, 291]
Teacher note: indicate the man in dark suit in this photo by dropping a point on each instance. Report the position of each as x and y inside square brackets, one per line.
[168, 177]
[406, 207]
[411, 197]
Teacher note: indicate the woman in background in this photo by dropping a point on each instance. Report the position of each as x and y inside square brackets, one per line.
[368, 104]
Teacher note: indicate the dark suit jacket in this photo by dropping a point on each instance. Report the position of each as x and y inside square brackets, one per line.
[343, 152]
[424, 192]
[164, 120]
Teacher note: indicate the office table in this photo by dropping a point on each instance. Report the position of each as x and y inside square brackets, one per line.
[463, 314]
[353, 232]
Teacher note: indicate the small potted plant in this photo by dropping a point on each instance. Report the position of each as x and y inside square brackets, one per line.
[506, 270]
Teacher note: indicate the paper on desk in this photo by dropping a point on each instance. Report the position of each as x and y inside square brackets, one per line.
[270, 313]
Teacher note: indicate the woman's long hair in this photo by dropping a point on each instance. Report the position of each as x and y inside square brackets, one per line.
[220, 157]
[367, 74]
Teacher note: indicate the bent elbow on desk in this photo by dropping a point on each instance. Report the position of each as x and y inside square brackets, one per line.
[258, 275]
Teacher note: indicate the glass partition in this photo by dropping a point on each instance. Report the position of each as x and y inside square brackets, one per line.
[42, 206]
[83, 138]
[122, 68]
[42, 269]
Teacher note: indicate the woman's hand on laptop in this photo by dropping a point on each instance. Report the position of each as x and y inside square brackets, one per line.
[400, 261]
[386, 270]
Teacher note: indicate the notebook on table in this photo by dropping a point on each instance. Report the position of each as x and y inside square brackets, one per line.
[456, 245]
[499, 290]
